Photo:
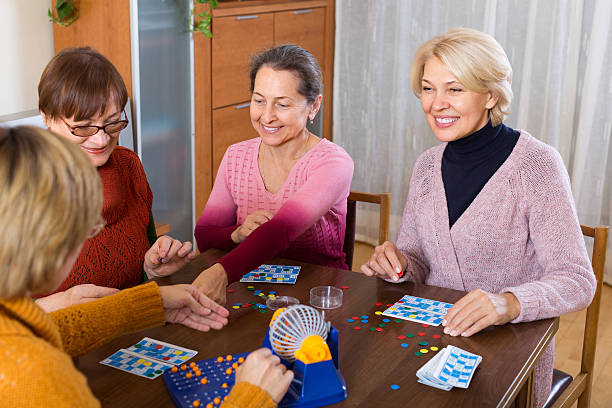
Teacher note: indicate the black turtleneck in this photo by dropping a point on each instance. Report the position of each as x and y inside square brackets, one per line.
[468, 163]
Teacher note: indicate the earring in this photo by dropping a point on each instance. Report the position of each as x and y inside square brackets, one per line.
[311, 121]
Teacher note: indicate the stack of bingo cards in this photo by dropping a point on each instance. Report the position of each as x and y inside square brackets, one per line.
[451, 367]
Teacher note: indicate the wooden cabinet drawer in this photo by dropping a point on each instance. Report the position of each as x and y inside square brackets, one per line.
[235, 40]
[305, 28]
[231, 124]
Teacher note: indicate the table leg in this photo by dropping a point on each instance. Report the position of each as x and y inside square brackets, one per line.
[524, 399]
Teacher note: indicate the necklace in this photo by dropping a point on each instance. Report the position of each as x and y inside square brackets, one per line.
[300, 153]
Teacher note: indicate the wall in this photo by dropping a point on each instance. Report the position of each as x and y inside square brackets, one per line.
[26, 47]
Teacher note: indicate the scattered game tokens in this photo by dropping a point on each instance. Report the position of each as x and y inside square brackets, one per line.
[389, 304]
[364, 321]
[395, 387]
[251, 287]
[381, 325]
[344, 287]
[378, 304]
[401, 337]
[423, 343]
[420, 334]
[372, 328]
[397, 320]
[418, 353]
[386, 320]
[378, 312]
[404, 345]
[436, 336]
[424, 351]
[364, 317]
[350, 320]
[357, 328]
[230, 291]
[272, 292]
[409, 335]
[433, 348]
[379, 329]
[425, 325]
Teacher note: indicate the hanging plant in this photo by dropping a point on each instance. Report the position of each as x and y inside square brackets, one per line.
[67, 13]
[205, 18]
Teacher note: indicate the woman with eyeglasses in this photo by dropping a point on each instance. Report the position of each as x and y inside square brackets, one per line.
[82, 98]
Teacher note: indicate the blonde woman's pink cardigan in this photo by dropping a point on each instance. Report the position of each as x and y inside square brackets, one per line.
[520, 234]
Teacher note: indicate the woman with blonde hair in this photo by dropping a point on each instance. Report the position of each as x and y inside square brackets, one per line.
[50, 203]
[490, 210]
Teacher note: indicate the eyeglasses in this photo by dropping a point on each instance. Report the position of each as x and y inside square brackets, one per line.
[99, 226]
[90, 130]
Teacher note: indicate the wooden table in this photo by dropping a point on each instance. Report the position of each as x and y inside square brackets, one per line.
[370, 361]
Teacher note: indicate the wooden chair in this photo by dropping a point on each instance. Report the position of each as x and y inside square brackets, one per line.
[565, 390]
[384, 200]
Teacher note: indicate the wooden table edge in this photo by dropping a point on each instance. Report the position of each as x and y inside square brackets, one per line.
[522, 380]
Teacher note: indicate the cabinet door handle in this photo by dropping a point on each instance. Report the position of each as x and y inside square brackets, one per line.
[303, 11]
[247, 17]
[244, 105]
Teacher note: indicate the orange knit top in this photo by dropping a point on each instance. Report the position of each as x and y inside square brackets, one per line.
[115, 256]
[36, 348]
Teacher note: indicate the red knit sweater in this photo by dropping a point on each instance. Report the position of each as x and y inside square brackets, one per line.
[115, 256]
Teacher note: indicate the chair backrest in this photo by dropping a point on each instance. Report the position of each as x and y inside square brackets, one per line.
[580, 387]
[384, 200]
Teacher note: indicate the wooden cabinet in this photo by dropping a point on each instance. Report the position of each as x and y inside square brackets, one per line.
[305, 28]
[234, 40]
[231, 124]
[222, 83]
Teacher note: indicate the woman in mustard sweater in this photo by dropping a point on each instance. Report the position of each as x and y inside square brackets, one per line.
[50, 202]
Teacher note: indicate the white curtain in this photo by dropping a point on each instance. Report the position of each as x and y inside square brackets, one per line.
[560, 51]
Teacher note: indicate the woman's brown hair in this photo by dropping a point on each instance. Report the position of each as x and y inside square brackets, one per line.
[79, 83]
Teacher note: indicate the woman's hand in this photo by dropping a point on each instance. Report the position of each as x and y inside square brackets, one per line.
[73, 296]
[264, 369]
[186, 305]
[166, 256]
[213, 283]
[250, 224]
[478, 310]
[387, 261]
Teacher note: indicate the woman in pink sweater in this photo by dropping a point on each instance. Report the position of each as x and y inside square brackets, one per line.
[283, 193]
[490, 210]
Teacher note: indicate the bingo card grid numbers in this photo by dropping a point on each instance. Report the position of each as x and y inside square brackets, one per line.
[419, 310]
[458, 368]
[158, 350]
[273, 274]
[135, 364]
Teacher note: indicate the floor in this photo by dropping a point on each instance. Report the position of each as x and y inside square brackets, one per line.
[568, 339]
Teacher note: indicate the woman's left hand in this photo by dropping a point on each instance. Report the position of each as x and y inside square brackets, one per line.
[166, 256]
[478, 310]
[187, 305]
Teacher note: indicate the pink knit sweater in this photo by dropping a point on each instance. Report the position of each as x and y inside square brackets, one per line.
[520, 234]
[309, 210]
